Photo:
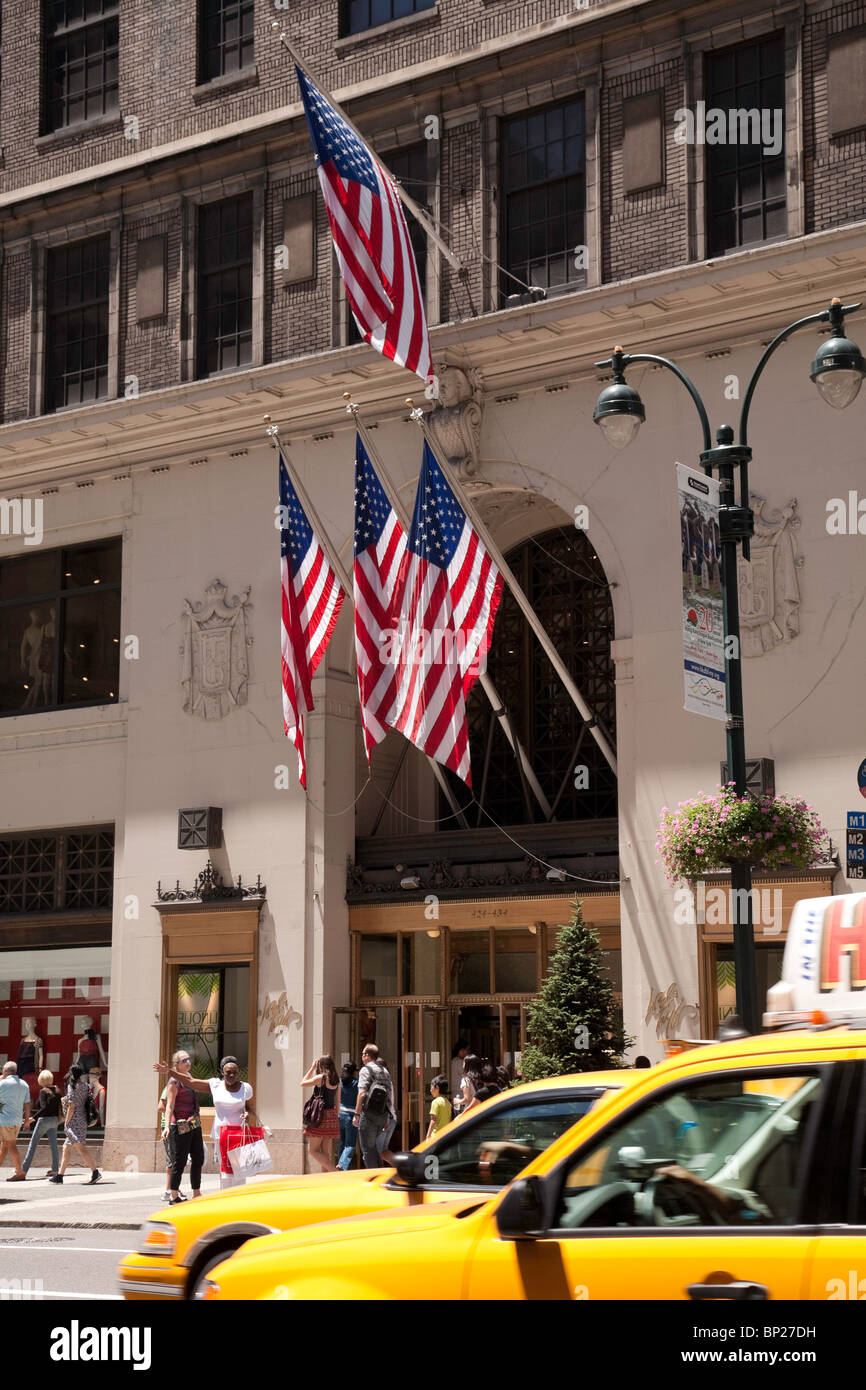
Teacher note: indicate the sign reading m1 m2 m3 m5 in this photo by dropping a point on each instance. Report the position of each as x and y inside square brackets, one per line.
[856, 847]
[704, 668]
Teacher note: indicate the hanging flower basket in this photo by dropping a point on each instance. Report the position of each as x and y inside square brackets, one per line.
[714, 832]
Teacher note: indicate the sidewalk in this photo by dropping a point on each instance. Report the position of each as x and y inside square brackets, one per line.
[121, 1200]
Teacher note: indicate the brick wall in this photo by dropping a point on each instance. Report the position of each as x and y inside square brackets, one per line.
[462, 215]
[834, 167]
[150, 351]
[646, 231]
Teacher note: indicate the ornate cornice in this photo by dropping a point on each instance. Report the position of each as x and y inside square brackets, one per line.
[209, 888]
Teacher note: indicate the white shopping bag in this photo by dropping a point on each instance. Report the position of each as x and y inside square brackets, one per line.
[250, 1159]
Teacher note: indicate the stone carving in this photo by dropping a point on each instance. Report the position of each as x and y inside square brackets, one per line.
[456, 421]
[667, 1008]
[215, 662]
[768, 584]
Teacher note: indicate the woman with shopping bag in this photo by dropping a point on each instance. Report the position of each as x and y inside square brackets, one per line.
[322, 1111]
[232, 1112]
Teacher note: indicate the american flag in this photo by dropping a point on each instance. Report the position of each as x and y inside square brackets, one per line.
[380, 544]
[370, 237]
[311, 600]
[448, 592]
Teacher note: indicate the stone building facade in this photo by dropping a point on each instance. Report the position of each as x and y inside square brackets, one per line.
[167, 280]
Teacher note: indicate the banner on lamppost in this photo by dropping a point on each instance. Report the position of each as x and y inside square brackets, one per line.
[703, 616]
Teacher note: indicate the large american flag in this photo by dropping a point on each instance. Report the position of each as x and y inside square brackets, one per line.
[380, 544]
[311, 600]
[370, 237]
[448, 593]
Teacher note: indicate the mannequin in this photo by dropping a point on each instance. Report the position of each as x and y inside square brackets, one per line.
[31, 1055]
[97, 1090]
[32, 661]
[91, 1054]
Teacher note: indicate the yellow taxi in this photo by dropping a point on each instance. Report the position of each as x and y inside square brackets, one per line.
[732, 1171]
[476, 1154]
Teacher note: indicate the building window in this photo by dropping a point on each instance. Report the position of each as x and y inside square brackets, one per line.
[54, 1011]
[358, 15]
[745, 174]
[80, 61]
[409, 167]
[225, 285]
[225, 43]
[543, 202]
[60, 628]
[76, 299]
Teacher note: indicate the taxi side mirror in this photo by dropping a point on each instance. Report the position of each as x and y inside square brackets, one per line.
[411, 1168]
[520, 1214]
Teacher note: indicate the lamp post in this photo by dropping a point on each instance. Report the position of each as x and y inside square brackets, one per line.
[837, 371]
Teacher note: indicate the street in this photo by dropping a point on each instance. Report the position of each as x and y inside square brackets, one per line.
[65, 1242]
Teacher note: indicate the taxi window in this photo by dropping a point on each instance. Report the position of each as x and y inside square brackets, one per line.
[498, 1145]
[717, 1153]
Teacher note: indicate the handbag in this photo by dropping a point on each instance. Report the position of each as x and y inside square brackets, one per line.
[314, 1110]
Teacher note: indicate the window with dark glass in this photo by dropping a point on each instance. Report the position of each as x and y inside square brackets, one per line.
[358, 15]
[543, 204]
[60, 627]
[76, 321]
[409, 167]
[225, 285]
[745, 182]
[225, 43]
[566, 585]
[81, 38]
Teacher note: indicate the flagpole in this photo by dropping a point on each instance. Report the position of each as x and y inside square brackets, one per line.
[404, 197]
[273, 431]
[499, 709]
[522, 601]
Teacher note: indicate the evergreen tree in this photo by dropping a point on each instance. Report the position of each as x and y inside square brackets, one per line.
[572, 1024]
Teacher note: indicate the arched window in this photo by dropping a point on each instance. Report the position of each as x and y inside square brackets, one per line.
[562, 576]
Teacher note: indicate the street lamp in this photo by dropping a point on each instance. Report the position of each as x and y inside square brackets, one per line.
[837, 371]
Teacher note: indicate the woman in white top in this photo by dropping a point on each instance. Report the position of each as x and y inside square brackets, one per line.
[231, 1102]
[470, 1081]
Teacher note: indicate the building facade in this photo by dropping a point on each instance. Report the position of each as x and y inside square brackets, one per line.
[167, 282]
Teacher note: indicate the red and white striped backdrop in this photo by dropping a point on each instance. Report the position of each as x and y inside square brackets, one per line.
[59, 1006]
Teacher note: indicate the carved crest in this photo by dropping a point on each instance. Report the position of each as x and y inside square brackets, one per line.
[215, 663]
[768, 584]
[456, 421]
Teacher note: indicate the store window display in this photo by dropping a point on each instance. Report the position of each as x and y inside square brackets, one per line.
[54, 1012]
[31, 1056]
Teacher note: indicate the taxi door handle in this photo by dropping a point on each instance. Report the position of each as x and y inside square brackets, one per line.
[739, 1289]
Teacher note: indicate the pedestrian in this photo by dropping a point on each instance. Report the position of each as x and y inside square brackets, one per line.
[375, 1115]
[14, 1110]
[75, 1125]
[470, 1082]
[458, 1052]
[323, 1075]
[489, 1087]
[348, 1101]
[183, 1129]
[440, 1110]
[46, 1117]
[231, 1103]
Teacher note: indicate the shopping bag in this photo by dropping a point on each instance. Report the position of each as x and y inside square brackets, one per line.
[234, 1137]
[249, 1159]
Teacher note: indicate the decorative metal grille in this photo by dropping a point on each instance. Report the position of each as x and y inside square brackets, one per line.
[225, 285]
[64, 871]
[80, 61]
[746, 186]
[564, 580]
[225, 37]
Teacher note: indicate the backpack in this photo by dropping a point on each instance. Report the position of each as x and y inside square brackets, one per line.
[378, 1097]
